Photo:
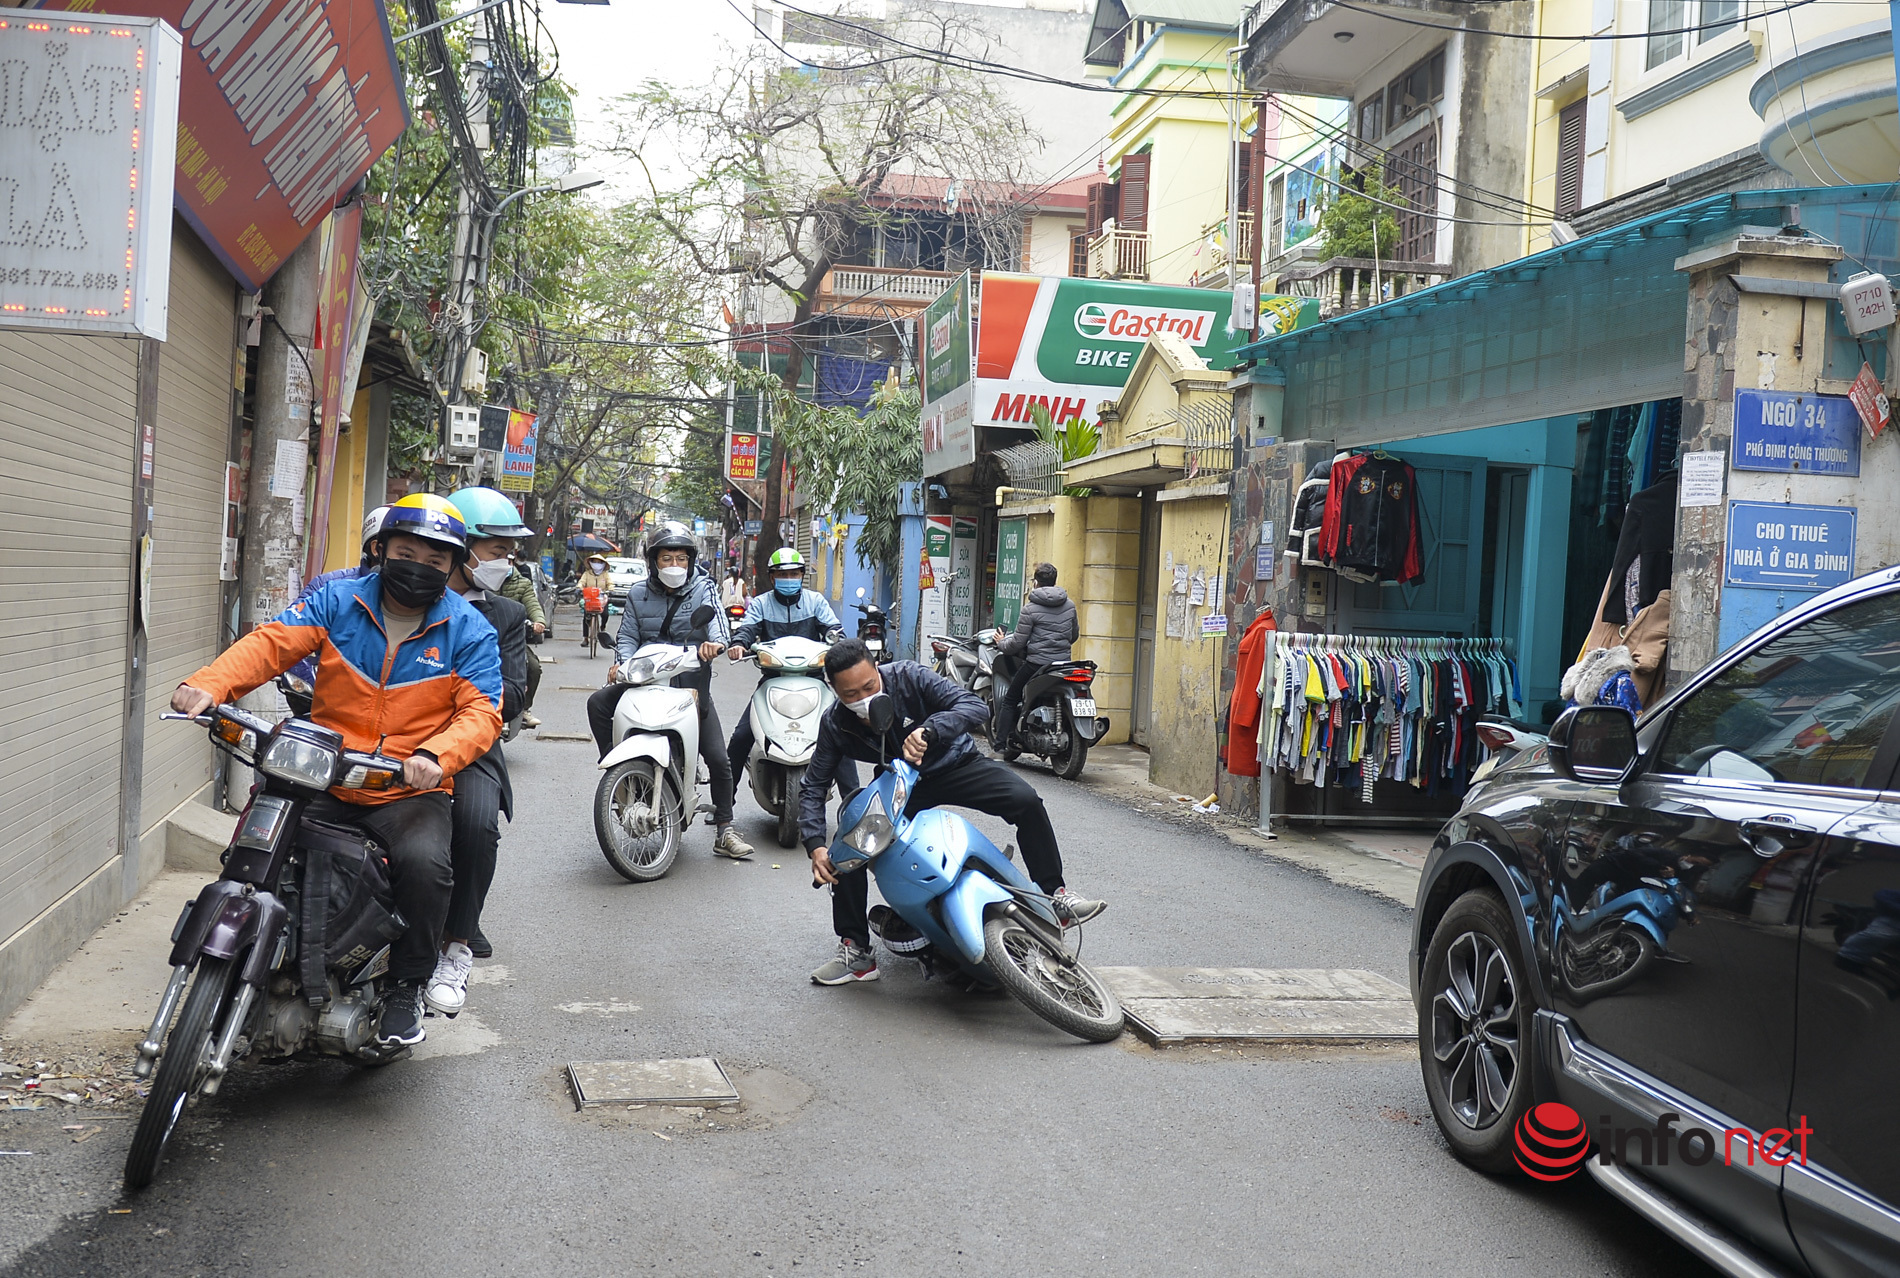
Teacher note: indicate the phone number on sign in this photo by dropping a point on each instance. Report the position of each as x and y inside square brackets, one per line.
[44, 277]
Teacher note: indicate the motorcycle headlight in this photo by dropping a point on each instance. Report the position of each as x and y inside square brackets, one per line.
[873, 832]
[638, 670]
[793, 703]
[769, 660]
[300, 760]
[900, 794]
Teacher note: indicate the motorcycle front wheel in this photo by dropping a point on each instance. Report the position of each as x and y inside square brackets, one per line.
[1071, 998]
[638, 857]
[181, 1070]
[788, 808]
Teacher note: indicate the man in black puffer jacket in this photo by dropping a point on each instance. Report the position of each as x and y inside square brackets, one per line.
[1044, 635]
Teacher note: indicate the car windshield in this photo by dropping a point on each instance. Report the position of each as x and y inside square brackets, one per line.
[617, 566]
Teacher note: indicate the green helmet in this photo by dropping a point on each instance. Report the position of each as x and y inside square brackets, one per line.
[785, 557]
[489, 514]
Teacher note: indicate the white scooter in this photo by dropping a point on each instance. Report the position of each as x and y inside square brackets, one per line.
[786, 708]
[650, 787]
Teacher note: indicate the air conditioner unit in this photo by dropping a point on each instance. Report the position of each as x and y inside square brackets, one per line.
[475, 372]
[462, 431]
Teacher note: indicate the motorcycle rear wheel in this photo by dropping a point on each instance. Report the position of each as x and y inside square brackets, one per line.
[1073, 999]
[1068, 763]
[181, 1070]
[645, 859]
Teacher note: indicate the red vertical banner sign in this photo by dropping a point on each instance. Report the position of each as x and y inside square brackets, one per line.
[336, 282]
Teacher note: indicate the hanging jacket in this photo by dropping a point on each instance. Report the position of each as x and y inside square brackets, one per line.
[1046, 631]
[1243, 710]
[1372, 524]
[438, 694]
[1645, 551]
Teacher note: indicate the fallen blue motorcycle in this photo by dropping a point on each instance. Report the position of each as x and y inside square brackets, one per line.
[964, 904]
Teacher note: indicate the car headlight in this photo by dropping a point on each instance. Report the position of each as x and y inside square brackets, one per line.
[299, 761]
[873, 832]
[793, 703]
[638, 670]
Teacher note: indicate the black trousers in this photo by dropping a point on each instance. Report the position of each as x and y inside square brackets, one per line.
[712, 742]
[739, 749]
[415, 834]
[983, 785]
[534, 679]
[1012, 703]
[474, 838]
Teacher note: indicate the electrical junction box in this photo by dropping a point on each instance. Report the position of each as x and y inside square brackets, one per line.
[1867, 302]
[462, 430]
[475, 372]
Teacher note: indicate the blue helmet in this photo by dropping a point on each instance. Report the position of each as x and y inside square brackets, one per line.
[489, 513]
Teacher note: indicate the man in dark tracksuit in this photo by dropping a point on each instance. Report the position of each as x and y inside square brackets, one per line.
[932, 730]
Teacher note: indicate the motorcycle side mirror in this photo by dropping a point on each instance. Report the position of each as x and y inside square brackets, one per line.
[860, 592]
[883, 713]
[702, 614]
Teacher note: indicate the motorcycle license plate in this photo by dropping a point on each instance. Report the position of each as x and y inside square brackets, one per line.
[1082, 706]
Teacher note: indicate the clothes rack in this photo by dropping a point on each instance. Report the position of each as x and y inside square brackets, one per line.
[1344, 712]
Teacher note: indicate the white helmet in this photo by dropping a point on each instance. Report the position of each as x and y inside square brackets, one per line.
[373, 526]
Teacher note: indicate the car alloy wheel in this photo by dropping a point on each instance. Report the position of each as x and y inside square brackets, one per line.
[1475, 1030]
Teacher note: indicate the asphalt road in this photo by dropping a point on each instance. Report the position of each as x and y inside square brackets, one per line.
[890, 1128]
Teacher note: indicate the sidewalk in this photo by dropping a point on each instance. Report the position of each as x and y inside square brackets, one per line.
[1385, 863]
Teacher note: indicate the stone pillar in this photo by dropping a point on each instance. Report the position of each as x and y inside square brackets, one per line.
[1755, 339]
[1106, 604]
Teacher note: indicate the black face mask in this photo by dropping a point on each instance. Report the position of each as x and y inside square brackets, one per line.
[413, 584]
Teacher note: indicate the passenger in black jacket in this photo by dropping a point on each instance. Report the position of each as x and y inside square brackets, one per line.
[932, 730]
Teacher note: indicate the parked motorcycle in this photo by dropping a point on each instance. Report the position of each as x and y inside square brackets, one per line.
[649, 789]
[290, 946]
[967, 662]
[1617, 931]
[786, 708]
[871, 625]
[972, 908]
[1504, 740]
[1057, 720]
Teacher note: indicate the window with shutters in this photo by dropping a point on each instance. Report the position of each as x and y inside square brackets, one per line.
[1413, 170]
[1243, 186]
[1104, 202]
[1133, 215]
[1276, 215]
[1570, 158]
[1079, 252]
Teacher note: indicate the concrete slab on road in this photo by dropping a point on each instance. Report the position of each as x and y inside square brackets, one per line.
[1247, 1004]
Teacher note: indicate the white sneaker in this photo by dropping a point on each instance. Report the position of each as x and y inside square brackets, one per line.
[447, 990]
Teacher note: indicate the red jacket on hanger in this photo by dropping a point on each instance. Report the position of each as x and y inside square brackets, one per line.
[1243, 711]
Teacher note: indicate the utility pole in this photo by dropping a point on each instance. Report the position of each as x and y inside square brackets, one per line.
[469, 224]
[270, 575]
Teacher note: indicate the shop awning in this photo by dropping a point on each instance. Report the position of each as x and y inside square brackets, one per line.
[1596, 322]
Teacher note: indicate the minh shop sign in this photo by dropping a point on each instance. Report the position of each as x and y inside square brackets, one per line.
[283, 104]
[1069, 344]
[87, 113]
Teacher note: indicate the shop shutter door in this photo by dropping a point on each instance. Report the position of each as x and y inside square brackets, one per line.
[194, 427]
[1134, 193]
[67, 408]
[1451, 524]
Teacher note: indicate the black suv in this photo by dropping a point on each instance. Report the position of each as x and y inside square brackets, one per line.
[1674, 942]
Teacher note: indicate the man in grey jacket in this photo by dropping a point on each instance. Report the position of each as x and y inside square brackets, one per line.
[1045, 632]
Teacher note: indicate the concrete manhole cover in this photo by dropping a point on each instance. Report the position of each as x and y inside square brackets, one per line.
[696, 1080]
[1210, 1004]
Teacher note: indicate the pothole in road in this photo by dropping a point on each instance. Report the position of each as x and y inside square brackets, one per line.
[767, 1098]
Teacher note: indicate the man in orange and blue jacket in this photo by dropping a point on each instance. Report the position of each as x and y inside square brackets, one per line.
[405, 666]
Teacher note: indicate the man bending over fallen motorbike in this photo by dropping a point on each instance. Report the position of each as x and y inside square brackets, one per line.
[404, 667]
[932, 730]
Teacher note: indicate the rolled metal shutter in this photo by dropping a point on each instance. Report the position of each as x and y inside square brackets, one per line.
[67, 412]
[195, 374]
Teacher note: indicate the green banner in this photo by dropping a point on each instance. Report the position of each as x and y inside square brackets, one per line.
[947, 340]
[1095, 328]
[1012, 540]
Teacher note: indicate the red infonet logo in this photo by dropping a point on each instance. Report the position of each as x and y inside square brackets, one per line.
[1552, 1142]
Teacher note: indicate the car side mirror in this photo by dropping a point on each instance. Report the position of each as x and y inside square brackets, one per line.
[1594, 744]
[702, 614]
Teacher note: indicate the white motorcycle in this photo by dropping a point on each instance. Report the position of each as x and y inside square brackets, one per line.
[786, 708]
[650, 787]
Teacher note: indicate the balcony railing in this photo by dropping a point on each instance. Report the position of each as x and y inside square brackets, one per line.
[1115, 254]
[1207, 431]
[1215, 234]
[1344, 284]
[879, 288]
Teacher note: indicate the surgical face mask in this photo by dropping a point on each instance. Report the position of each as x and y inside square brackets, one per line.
[490, 575]
[788, 587]
[862, 708]
[412, 584]
[673, 577]
[597, 565]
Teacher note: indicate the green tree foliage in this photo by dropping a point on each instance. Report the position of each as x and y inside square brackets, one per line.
[1353, 225]
[853, 463]
[1073, 441]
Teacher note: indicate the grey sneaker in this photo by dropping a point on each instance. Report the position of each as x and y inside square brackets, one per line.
[852, 964]
[728, 843]
[1071, 908]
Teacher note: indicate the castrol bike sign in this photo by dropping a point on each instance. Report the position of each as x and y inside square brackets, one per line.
[1068, 345]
